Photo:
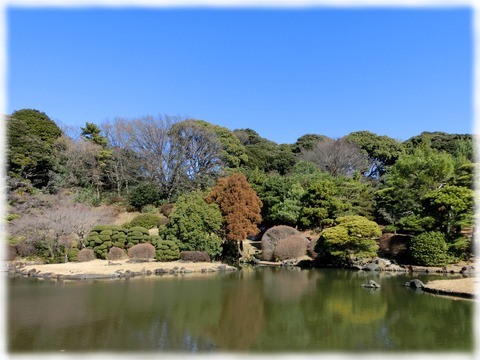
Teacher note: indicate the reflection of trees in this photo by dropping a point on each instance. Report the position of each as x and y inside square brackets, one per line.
[242, 311]
[242, 317]
[280, 285]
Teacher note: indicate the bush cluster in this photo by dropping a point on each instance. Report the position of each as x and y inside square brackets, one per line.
[291, 247]
[85, 255]
[429, 249]
[195, 256]
[149, 209]
[116, 253]
[167, 209]
[148, 221]
[272, 237]
[166, 250]
[72, 254]
[103, 237]
[141, 252]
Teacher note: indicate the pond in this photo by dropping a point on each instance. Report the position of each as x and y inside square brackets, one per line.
[254, 310]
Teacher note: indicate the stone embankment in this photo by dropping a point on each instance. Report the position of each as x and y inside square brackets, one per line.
[104, 269]
[380, 264]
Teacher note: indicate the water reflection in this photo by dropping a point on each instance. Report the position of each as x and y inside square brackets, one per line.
[253, 310]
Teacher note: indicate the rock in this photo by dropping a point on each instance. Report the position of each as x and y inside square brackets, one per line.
[415, 283]
[468, 270]
[372, 267]
[187, 271]
[32, 272]
[371, 284]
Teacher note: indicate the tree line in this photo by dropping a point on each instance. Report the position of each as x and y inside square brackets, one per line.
[423, 185]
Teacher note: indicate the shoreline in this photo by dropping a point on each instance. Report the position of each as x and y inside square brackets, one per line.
[464, 288]
[105, 269]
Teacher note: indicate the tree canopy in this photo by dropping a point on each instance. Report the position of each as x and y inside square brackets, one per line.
[239, 204]
[31, 135]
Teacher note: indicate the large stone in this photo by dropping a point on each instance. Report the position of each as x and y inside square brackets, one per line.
[415, 283]
[371, 284]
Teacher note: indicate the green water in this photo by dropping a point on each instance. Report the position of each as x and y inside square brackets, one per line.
[252, 310]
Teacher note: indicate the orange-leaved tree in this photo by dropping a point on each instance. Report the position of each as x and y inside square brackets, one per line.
[239, 204]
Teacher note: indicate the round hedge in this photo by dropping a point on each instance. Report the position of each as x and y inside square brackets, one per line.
[429, 249]
[167, 250]
[148, 221]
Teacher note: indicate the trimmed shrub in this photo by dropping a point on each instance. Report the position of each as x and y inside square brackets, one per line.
[148, 221]
[72, 254]
[291, 247]
[85, 255]
[429, 249]
[116, 253]
[195, 256]
[167, 250]
[141, 252]
[163, 221]
[103, 237]
[137, 235]
[271, 238]
[166, 209]
[149, 209]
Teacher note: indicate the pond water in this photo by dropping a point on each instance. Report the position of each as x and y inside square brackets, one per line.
[253, 310]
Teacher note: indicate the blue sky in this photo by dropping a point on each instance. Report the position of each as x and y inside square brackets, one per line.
[282, 72]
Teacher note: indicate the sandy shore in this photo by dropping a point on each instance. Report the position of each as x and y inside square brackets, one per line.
[104, 268]
[456, 287]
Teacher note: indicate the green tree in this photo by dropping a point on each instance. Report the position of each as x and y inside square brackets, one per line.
[382, 151]
[441, 141]
[451, 206]
[409, 180]
[233, 152]
[92, 132]
[31, 135]
[264, 154]
[321, 204]
[308, 142]
[288, 211]
[352, 237]
[195, 224]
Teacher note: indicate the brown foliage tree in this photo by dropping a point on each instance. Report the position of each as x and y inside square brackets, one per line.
[239, 204]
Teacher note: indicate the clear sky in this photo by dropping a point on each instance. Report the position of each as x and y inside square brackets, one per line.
[283, 73]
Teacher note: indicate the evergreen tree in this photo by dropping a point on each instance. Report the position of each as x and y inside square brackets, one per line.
[31, 135]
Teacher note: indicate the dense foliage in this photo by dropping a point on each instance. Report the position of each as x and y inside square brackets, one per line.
[195, 225]
[429, 248]
[351, 237]
[31, 135]
[216, 186]
[239, 205]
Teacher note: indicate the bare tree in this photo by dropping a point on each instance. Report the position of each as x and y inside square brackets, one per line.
[124, 162]
[338, 157]
[172, 152]
[51, 228]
